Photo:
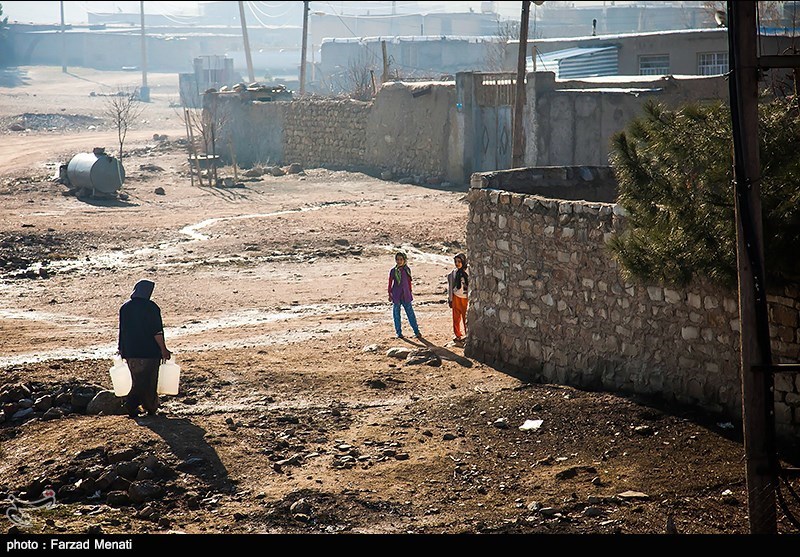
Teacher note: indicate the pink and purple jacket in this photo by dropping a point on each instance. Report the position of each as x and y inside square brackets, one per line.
[400, 292]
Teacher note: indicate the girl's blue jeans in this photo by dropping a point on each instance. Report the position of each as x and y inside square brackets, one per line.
[412, 318]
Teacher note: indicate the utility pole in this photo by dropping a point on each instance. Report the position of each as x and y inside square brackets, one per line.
[303, 54]
[247, 54]
[385, 74]
[518, 142]
[63, 41]
[758, 412]
[144, 92]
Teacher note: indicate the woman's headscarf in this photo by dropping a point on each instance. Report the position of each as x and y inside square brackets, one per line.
[143, 289]
[461, 274]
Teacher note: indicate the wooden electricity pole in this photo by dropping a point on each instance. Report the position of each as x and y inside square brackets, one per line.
[385, 74]
[758, 413]
[247, 54]
[144, 92]
[303, 54]
[63, 41]
[518, 142]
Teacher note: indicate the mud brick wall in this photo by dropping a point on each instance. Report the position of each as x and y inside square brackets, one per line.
[548, 301]
[326, 132]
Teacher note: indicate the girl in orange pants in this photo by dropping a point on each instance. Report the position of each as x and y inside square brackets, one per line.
[457, 288]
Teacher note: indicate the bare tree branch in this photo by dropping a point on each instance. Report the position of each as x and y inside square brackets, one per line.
[123, 108]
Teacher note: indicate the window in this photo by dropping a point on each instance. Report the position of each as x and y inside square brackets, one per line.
[712, 63]
[657, 64]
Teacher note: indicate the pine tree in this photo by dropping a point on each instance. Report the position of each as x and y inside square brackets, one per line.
[674, 169]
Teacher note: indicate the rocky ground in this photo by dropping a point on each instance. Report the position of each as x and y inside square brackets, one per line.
[298, 410]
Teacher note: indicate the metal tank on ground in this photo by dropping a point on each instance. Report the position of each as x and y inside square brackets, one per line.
[96, 171]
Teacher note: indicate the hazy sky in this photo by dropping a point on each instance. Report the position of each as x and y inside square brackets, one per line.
[76, 12]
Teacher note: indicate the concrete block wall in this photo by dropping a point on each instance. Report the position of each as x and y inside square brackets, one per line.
[548, 301]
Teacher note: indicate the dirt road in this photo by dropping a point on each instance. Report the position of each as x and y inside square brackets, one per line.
[292, 416]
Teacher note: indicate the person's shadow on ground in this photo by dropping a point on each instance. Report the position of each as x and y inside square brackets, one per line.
[187, 442]
[444, 353]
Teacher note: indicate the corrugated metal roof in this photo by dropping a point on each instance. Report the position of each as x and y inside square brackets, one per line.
[573, 63]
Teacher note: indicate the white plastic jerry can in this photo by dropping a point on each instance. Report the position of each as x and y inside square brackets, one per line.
[121, 377]
[169, 375]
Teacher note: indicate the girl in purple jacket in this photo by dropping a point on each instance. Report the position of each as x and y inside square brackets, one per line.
[400, 294]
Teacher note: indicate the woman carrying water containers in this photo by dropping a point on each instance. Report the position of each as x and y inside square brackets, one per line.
[142, 346]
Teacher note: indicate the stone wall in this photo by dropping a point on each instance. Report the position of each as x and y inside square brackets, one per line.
[411, 130]
[408, 130]
[326, 132]
[547, 301]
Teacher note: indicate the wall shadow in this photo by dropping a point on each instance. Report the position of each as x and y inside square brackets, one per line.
[187, 442]
[13, 77]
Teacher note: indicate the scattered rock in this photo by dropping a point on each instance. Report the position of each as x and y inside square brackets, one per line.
[44, 403]
[24, 413]
[423, 356]
[597, 481]
[301, 506]
[549, 511]
[16, 127]
[291, 461]
[644, 430]
[117, 499]
[190, 464]
[254, 172]
[427, 433]
[387, 175]
[294, 168]
[573, 471]
[192, 500]
[592, 511]
[145, 473]
[288, 419]
[500, 423]
[144, 490]
[371, 348]
[164, 522]
[277, 171]
[399, 352]
[128, 470]
[159, 191]
[633, 496]
[407, 180]
[106, 403]
[448, 436]
[3, 416]
[376, 384]
[534, 506]
[150, 168]
[122, 455]
[81, 397]
[401, 456]
[670, 527]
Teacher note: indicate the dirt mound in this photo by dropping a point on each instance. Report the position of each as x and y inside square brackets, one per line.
[62, 122]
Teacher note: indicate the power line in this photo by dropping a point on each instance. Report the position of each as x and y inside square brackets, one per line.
[255, 15]
[254, 6]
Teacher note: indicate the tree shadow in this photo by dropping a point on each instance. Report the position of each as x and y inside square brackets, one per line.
[228, 194]
[187, 442]
[13, 77]
[446, 354]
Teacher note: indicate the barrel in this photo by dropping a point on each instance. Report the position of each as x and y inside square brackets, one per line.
[96, 171]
